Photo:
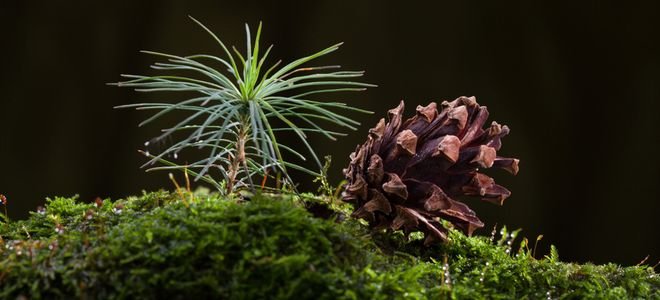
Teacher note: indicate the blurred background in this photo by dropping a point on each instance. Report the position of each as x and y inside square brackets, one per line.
[578, 84]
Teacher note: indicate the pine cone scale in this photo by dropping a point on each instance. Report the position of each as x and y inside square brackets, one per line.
[376, 172]
[508, 164]
[431, 197]
[394, 186]
[475, 130]
[378, 202]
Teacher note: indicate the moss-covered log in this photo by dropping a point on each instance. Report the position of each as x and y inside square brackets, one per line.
[157, 246]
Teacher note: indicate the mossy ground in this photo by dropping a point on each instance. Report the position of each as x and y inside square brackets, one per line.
[270, 247]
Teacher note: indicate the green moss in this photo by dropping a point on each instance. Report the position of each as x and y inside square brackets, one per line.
[271, 247]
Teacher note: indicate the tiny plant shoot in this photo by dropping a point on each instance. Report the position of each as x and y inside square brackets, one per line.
[3, 202]
[237, 98]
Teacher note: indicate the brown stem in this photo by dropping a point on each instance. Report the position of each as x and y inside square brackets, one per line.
[238, 159]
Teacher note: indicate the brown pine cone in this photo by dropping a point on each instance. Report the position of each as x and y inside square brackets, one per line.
[409, 175]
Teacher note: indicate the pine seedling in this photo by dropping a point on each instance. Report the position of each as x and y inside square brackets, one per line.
[237, 99]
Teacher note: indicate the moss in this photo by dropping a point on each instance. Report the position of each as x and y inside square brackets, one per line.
[154, 246]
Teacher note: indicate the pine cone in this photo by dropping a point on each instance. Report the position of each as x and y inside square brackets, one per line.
[409, 175]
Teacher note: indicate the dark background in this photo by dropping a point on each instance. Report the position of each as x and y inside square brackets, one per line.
[579, 85]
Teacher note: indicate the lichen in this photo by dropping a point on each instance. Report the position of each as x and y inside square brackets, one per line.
[154, 246]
